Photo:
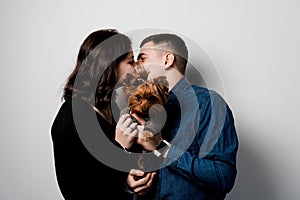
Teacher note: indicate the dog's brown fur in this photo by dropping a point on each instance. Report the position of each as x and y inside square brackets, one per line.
[143, 93]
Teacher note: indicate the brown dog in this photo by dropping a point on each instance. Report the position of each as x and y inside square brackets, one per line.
[146, 98]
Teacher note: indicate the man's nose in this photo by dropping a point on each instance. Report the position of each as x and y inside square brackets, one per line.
[138, 62]
[135, 64]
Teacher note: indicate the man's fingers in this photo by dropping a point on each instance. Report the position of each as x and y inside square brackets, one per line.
[138, 183]
[151, 179]
[136, 172]
[140, 131]
[142, 181]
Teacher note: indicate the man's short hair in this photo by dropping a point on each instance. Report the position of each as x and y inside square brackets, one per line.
[172, 43]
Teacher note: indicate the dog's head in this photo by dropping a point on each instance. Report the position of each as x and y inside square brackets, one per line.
[148, 94]
[143, 93]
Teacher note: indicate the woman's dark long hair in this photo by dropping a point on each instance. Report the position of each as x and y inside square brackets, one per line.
[96, 69]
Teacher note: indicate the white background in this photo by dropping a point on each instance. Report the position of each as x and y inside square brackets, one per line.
[255, 45]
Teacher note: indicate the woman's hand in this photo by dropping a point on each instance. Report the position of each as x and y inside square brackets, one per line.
[126, 130]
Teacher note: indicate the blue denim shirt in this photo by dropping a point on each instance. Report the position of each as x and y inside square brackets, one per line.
[201, 162]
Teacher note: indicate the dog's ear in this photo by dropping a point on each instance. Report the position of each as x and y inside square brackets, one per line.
[162, 86]
[131, 80]
[141, 72]
[127, 80]
[130, 83]
[128, 90]
[163, 92]
[126, 84]
[162, 81]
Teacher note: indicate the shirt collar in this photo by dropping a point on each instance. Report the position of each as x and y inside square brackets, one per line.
[178, 89]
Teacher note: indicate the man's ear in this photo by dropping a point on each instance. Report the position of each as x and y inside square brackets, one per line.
[169, 60]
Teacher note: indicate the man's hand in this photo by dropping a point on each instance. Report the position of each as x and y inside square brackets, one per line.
[149, 145]
[139, 181]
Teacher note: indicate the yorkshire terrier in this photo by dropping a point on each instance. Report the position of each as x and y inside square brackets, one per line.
[146, 99]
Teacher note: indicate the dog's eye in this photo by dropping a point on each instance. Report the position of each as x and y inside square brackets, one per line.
[152, 98]
[138, 97]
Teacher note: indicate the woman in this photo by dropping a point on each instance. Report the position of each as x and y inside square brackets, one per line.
[104, 57]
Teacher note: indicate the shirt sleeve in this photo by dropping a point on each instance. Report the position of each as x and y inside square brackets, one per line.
[210, 161]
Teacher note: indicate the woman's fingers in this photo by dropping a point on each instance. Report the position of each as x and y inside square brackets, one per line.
[123, 118]
[126, 125]
[126, 130]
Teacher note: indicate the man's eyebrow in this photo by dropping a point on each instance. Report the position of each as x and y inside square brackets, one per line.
[140, 55]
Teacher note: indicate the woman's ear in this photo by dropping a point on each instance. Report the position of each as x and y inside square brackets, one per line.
[169, 60]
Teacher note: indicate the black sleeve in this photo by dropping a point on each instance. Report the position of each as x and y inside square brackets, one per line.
[79, 174]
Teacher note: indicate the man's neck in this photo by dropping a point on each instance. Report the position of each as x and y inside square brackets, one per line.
[173, 77]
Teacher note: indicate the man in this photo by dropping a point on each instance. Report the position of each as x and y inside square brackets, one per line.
[199, 135]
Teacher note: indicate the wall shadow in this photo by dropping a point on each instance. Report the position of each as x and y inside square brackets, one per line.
[255, 179]
[193, 76]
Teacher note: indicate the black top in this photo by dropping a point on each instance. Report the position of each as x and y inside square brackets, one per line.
[79, 174]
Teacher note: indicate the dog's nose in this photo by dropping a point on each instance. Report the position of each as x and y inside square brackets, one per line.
[144, 109]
